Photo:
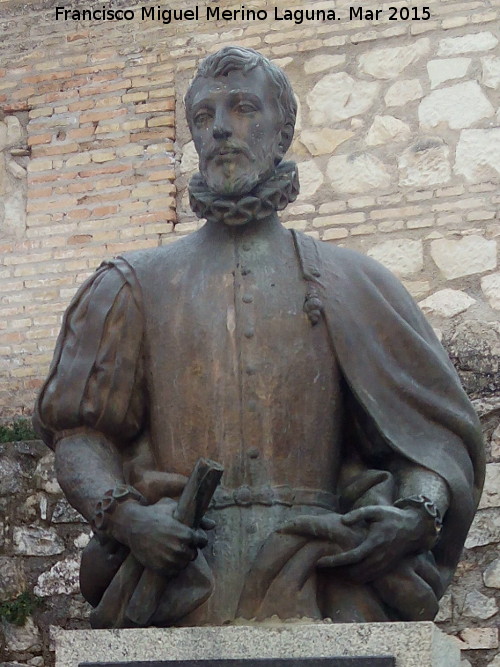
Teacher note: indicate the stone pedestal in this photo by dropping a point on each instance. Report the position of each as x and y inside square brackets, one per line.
[411, 644]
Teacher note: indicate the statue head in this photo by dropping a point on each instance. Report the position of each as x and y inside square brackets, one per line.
[241, 112]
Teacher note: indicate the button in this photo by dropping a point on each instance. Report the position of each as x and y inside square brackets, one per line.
[249, 332]
[246, 246]
[253, 453]
[251, 370]
[242, 496]
[247, 298]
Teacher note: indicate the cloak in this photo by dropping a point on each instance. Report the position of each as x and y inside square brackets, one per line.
[408, 392]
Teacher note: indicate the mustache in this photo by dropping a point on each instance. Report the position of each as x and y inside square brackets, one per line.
[230, 146]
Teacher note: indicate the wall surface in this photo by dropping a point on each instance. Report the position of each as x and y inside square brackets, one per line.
[399, 156]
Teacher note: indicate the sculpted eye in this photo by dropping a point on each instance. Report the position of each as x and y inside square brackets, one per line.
[245, 107]
[202, 117]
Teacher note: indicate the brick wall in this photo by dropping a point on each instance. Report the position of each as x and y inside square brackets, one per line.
[398, 155]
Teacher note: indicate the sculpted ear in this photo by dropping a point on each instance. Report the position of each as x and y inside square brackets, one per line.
[286, 136]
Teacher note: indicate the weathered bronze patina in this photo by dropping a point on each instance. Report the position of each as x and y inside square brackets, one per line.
[352, 458]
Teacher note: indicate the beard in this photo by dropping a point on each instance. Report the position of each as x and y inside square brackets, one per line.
[232, 168]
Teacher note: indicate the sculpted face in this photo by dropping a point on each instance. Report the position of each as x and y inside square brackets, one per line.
[236, 128]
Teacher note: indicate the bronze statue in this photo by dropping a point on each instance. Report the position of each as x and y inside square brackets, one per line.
[353, 460]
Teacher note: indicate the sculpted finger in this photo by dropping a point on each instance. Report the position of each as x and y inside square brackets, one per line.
[350, 557]
[200, 539]
[369, 569]
[362, 514]
[207, 524]
[302, 525]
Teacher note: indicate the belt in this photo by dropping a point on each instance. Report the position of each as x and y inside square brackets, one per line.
[273, 495]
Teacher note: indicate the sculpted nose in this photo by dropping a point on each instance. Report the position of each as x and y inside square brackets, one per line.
[221, 128]
[221, 132]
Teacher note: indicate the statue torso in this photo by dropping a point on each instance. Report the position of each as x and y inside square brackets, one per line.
[236, 371]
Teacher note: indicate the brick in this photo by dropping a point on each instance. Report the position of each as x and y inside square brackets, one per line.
[39, 139]
[147, 218]
[39, 165]
[44, 205]
[102, 156]
[404, 212]
[35, 193]
[454, 22]
[152, 137]
[102, 211]
[163, 105]
[78, 239]
[140, 96]
[107, 128]
[332, 234]
[361, 202]
[345, 219]
[390, 226]
[166, 174]
[80, 133]
[107, 183]
[133, 124]
[133, 207]
[110, 169]
[93, 116]
[62, 149]
[481, 215]
[332, 207]
[78, 214]
[162, 204]
[157, 93]
[363, 230]
[83, 105]
[78, 159]
[161, 121]
[130, 151]
[40, 112]
[419, 223]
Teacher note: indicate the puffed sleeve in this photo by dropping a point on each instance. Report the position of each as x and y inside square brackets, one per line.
[96, 377]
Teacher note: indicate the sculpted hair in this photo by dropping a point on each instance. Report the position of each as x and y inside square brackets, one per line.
[232, 58]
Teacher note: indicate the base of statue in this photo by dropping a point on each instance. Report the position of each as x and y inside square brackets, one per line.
[262, 645]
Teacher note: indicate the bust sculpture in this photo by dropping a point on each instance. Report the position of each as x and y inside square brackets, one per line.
[353, 459]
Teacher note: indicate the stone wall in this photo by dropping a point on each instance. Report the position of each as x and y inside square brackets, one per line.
[398, 155]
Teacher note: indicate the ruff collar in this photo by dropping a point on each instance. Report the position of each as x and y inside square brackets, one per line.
[272, 195]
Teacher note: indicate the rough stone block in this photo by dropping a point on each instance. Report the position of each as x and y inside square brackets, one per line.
[402, 256]
[446, 303]
[338, 96]
[478, 155]
[358, 173]
[412, 644]
[471, 254]
[446, 69]
[402, 92]
[460, 106]
[389, 63]
[479, 41]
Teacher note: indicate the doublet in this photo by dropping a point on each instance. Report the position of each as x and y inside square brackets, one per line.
[203, 348]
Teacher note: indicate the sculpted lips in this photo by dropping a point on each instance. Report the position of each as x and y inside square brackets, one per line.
[229, 149]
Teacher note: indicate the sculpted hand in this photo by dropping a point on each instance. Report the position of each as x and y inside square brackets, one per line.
[391, 534]
[155, 537]
[329, 527]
